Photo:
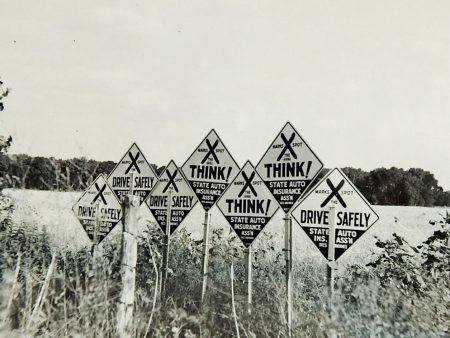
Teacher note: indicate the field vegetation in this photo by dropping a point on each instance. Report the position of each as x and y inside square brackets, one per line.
[400, 290]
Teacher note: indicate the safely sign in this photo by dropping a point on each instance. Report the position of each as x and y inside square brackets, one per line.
[210, 169]
[144, 176]
[98, 196]
[247, 204]
[354, 215]
[288, 167]
[172, 188]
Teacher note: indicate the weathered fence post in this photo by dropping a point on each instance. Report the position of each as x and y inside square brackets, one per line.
[128, 266]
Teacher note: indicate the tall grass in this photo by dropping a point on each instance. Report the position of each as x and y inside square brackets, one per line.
[404, 292]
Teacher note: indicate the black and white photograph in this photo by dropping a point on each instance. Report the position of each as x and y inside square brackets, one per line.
[247, 169]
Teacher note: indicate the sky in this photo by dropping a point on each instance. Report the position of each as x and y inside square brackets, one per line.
[366, 83]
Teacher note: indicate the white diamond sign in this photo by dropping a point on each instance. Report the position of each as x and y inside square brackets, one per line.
[144, 176]
[247, 204]
[210, 169]
[288, 167]
[172, 188]
[110, 211]
[354, 215]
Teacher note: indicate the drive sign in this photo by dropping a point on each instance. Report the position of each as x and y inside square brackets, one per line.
[171, 192]
[288, 167]
[98, 196]
[144, 176]
[210, 169]
[353, 214]
[247, 204]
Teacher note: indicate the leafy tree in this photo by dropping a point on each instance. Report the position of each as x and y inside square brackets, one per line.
[5, 142]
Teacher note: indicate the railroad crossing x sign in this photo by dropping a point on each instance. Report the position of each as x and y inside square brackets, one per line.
[144, 178]
[247, 204]
[110, 211]
[172, 184]
[210, 169]
[288, 167]
[354, 215]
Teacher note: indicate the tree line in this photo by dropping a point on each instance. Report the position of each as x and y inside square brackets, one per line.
[393, 186]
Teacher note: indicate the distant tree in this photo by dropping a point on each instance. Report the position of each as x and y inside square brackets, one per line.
[5, 142]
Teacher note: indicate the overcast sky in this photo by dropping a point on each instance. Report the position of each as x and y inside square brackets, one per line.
[366, 83]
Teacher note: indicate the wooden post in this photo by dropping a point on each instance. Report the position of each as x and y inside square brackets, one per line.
[331, 267]
[166, 247]
[206, 225]
[248, 256]
[125, 307]
[288, 256]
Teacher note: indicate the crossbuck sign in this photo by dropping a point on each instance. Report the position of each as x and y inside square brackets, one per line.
[353, 214]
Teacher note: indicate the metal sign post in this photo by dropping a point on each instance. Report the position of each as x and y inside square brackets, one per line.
[96, 229]
[288, 256]
[248, 256]
[331, 269]
[166, 247]
[206, 226]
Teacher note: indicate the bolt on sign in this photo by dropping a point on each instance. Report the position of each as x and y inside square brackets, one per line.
[173, 184]
[354, 215]
[288, 167]
[210, 169]
[110, 210]
[247, 204]
[144, 176]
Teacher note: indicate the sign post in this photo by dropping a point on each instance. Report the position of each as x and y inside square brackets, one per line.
[206, 226]
[96, 228]
[170, 202]
[334, 215]
[248, 255]
[248, 206]
[209, 171]
[166, 247]
[288, 256]
[288, 167]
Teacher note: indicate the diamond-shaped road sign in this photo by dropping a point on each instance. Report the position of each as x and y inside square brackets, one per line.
[99, 192]
[247, 204]
[182, 199]
[210, 169]
[144, 176]
[288, 167]
[354, 215]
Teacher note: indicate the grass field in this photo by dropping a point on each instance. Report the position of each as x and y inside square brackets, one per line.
[53, 210]
[405, 294]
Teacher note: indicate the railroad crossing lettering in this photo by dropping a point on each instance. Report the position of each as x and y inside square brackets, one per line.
[144, 180]
[247, 204]
[288, 167]
[210, 169]
[110, 211]
[172, 188]
[354, 215]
